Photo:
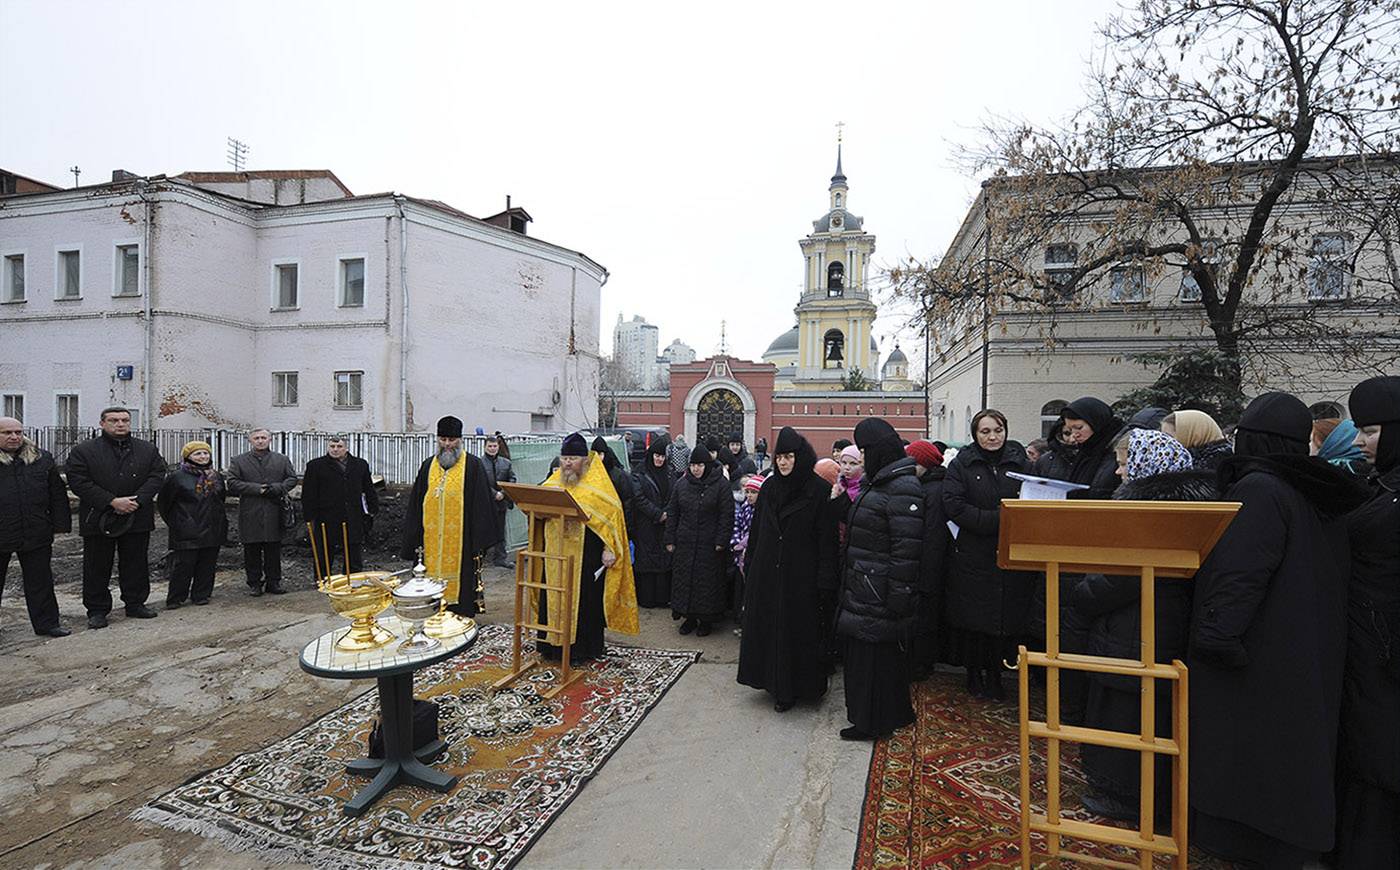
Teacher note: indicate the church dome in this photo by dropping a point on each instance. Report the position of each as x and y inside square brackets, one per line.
[783, 344]
[849, 222]
[896, 356]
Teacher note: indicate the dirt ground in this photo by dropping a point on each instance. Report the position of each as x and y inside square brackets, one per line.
[94, 725]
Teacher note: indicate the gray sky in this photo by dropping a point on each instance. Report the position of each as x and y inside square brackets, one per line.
[686, 147]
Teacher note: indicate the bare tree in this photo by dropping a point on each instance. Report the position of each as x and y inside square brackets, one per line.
[1201, 153]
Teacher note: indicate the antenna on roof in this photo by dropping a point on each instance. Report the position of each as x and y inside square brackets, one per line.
[237, 154]
[76, 172]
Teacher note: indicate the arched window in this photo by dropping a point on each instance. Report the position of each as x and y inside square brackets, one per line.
[833, 350]
[1327, 411]
[1049, 413]
[836, 278]
[838, 200]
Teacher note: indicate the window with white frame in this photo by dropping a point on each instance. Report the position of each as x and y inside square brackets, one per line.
[14, 406]
[128, 271]
[284, 388]
[1128, 283]
[285, 285]
[348, 389]
[1210, 258]
[13, 278]
[65, 410]
[68, 283]
[352, 282]
[1060, 261]
[1328, 269]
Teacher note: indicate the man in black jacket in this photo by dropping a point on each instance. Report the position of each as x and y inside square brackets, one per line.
[498, 471]
[338, 498]
[116, 477]
[33, 505]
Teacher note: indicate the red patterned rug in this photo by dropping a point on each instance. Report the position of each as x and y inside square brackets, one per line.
[520, 757]
[945, 792]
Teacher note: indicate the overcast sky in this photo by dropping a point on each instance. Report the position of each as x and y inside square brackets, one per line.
[685, 147]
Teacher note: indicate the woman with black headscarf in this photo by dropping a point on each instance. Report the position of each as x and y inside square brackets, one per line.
[792, 558]
[985, 604]
[1092, 427]
[880, 585]
[699, 521]
[1266, 647]
[1368, 782]
[651, 563]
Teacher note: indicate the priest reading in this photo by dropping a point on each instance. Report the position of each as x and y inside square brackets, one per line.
[450, 514]
[604, 591]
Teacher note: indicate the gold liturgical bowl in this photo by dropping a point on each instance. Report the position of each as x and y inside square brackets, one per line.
[359, 598]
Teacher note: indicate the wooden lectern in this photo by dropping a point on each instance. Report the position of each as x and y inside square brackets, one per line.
[1148, 538]
[541, 504]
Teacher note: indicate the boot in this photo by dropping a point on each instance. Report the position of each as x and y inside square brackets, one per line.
[974, 681]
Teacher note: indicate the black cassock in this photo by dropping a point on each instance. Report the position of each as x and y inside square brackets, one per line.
[590, 620]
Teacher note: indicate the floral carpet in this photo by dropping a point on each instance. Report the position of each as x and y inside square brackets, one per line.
[945, 792]
[520, 759]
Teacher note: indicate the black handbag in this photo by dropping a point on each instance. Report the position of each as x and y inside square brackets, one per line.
[425, 728]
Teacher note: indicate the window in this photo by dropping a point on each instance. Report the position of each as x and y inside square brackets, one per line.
[14, 278]
[285, 288]
[541, 422]
[833, 350]
[352, 282]
[14, 406]
[128, 271]
[835, 279]
[65, 411]
[284, 388]
[348, 389]
[1328, 272]
[1060, 262]
[1049, 413]
[1210, 257]
[1129, 284]
[68, 283]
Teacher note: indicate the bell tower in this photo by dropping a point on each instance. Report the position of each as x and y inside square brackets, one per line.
[835, 313]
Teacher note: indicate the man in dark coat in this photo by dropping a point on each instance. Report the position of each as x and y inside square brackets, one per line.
[1266, 647]
[881, 584]
[792, 560]
[337, 494]
[33, 505]
[1368, 816]
[699, 521]
[260, 478]
[450, 514]
[116, 478]
[651, 565]
[498, 471]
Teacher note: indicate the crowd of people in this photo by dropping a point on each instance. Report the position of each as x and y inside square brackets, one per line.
[881, 559]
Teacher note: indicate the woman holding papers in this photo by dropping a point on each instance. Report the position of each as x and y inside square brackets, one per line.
[986, 604]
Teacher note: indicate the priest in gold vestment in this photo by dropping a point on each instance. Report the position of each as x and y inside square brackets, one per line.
[605, 594]
[449, 513]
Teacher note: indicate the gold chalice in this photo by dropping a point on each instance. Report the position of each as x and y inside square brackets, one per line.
[360, 597]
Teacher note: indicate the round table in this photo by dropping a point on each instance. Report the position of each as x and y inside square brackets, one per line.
[394, 671]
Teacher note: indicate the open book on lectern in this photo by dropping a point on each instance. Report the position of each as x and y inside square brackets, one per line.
[1044, 488]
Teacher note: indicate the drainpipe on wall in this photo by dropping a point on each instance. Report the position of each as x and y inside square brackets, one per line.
[141, 184]
[403, 339]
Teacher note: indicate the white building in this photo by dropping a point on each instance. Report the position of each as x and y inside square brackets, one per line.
[678, 353]
[280, 299]
[635, 344]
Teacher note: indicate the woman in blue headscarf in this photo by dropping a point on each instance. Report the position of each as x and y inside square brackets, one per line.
[1334, 440]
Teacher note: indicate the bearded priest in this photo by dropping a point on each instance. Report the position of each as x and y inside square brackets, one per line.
[605, 594]
[450, 515]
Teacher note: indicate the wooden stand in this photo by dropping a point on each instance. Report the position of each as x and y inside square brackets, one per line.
[541, 504]
[1150, 539]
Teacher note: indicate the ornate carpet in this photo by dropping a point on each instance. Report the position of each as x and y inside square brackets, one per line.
[521, 759]
[945, 792]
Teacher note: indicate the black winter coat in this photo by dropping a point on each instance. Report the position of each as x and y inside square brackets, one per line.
[33, 500]
[498, 471]
[1370, 741]
[194, 522]
[881, 582]
[101, 469]
[260, 513]
[936, 558]
[1095, 466]
[330, 498]
[980, 596]
[699, 521]
[645, 527]
[1267, 643]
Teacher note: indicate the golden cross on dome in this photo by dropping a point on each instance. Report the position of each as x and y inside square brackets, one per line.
[840, 129]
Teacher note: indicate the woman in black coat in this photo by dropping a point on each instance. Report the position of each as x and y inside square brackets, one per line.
[880, 585]
[191, 501]
[792, 559]
[985, 603]
[933, 562]
[651, 562]
[1154, 467]
[1092, 428]
[1368, 815]
[699, 521]
[1267, 643]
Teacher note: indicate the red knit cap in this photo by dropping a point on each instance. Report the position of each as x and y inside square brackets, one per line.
[924, 453]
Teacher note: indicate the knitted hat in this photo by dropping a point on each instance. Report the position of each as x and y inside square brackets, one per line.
[851, 451]
[753, 483]
[924, 453]
[192, 447]
[828, 470]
